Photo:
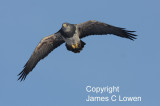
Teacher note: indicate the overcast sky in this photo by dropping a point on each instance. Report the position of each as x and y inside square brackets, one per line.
[61, 78]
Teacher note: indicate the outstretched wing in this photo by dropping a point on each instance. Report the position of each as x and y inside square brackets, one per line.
[45, 46]
[98, 28]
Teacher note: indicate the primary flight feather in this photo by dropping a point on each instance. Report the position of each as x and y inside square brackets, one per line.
[71, 34]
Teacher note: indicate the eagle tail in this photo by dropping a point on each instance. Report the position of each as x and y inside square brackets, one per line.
[82, 44]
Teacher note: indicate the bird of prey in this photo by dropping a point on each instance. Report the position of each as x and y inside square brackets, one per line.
[71, 35]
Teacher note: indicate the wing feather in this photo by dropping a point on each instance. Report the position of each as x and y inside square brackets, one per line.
[98, 28]
[45, 46]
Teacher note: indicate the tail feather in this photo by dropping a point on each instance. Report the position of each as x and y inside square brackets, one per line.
[82, 44]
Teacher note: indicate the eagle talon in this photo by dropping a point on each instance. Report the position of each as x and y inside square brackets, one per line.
[74, 46]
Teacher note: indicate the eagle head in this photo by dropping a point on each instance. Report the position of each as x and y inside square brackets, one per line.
[66, 27]
[67, 30]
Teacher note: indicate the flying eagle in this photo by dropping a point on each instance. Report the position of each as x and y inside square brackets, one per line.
[71, 34]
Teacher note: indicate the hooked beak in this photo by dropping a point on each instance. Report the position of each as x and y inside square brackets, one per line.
[64, 25]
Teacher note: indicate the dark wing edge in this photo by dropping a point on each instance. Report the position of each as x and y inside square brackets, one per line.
[45, 46]
[93, 27]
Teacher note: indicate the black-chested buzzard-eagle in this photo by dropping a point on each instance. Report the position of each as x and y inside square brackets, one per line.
[71, 34]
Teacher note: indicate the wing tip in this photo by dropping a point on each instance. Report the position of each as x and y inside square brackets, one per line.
[132, 36]
[22, 75]
[129, 34]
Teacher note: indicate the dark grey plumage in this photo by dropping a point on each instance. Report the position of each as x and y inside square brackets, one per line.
[98, 28]
[45, 46]
[71, 34]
